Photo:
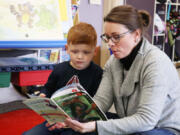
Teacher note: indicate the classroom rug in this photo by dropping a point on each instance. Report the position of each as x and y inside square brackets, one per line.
[15, 118]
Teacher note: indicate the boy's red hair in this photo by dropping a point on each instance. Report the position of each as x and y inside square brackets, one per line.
[82, 33]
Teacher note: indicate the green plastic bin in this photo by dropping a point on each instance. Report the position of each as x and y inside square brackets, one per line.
[5, 78]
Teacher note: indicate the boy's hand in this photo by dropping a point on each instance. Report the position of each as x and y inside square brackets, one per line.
[42, 95]
[57, 125]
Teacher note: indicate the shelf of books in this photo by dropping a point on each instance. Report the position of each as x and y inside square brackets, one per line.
[28, 69]
[35, 41]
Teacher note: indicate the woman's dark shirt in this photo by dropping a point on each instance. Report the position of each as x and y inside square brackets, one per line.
[127, 61]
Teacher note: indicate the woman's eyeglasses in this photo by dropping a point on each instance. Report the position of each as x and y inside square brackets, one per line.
[114, 38]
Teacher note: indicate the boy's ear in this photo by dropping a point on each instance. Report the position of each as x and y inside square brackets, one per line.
[66, 48]
[96, 50]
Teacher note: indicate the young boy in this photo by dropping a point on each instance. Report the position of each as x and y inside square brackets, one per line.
[81, 46]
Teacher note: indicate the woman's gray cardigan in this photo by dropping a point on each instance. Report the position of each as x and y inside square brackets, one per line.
[150, 91]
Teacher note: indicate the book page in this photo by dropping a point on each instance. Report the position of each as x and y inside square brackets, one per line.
[80, 106]
[47, 109]
[70, 101]
[67, 90]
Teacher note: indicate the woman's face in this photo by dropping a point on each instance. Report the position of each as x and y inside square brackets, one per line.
[121, 40]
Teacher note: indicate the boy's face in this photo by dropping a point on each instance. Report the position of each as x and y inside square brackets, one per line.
[80, 55]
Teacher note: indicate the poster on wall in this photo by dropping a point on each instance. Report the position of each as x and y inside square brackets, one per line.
[66, 16]
[26, 20]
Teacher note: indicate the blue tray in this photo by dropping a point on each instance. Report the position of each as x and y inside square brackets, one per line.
[32, 44]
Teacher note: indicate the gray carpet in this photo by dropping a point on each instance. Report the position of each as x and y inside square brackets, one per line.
[11, 106]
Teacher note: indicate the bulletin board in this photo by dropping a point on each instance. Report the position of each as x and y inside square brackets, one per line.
[34, 23]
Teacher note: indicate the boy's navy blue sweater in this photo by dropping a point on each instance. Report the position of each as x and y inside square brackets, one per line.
[89, 78]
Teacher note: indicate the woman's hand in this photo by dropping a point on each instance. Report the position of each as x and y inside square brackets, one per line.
[42, 95]
[57, 125]
[81, 127]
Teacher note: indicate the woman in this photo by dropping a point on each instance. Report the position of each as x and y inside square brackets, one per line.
[139, 79]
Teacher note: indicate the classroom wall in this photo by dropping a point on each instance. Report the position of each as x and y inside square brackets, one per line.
[92, 14]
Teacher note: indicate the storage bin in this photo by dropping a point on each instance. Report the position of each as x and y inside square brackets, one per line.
[5, 79]
[28, 78]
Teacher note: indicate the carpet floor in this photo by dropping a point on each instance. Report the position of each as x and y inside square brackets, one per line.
[15, 118]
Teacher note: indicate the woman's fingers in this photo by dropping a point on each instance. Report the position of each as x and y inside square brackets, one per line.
[80, 127]
[75, 125]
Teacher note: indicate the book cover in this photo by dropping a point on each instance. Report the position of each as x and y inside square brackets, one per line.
[70, 101]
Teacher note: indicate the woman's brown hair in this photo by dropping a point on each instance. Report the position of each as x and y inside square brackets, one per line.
[130, 17]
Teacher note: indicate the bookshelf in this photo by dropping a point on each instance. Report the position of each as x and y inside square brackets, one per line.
[36, 26]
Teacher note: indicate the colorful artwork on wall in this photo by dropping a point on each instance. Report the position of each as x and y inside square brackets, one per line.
[30, 20]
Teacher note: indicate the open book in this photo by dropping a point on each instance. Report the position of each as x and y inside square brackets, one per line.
[70, 101]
